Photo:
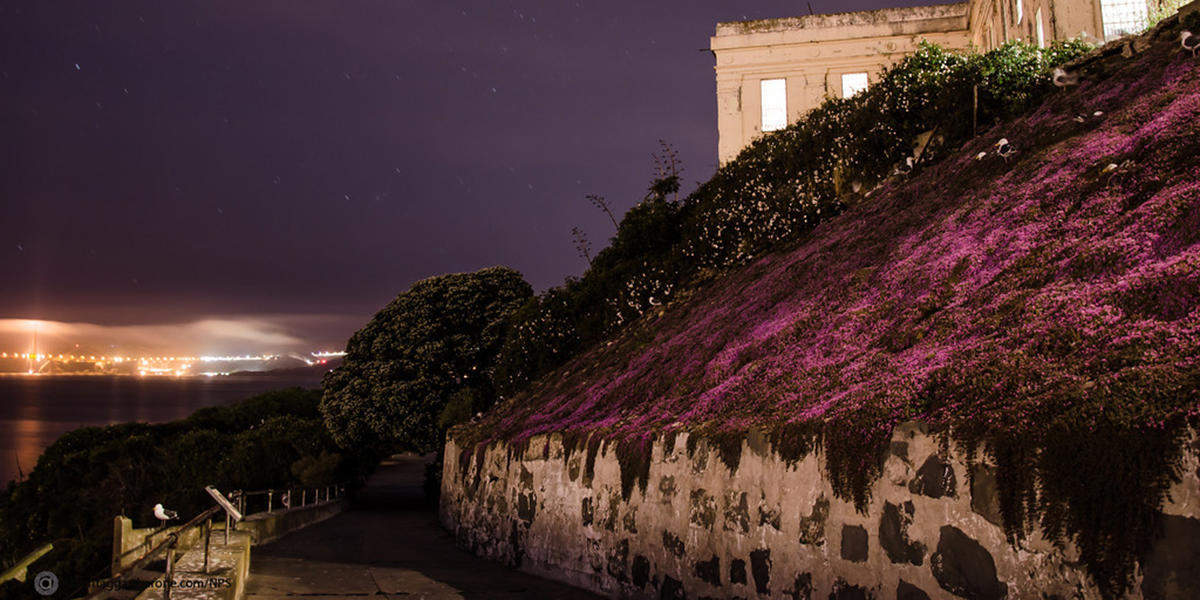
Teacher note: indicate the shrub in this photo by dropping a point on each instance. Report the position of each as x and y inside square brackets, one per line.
[434, 340]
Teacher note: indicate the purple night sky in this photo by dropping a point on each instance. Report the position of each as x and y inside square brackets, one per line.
[299, 163]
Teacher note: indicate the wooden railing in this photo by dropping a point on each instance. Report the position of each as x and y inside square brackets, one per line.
[257, 501]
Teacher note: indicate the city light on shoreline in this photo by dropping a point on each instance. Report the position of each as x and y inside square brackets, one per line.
[36, 363]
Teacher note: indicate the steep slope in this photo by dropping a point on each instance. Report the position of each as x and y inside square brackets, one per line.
[1044, 309]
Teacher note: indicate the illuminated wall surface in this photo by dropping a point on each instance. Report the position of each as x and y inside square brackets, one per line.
[768, 528]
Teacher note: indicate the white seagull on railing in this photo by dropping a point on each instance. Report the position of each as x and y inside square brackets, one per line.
[163, 514]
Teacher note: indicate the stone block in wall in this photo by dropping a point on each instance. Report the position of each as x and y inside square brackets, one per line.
[1173, 568]
[963, 567]
[760, 569]
[985, 496]
[908, 591]
[812, 527]
[935, 479]
[893, 534]
[855, 547]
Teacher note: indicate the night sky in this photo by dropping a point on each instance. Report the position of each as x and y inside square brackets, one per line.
[295, 164]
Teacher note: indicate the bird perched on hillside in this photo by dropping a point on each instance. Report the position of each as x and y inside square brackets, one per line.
[1189, 41]
[1081, 117]
[905, 168]
[163, 514]
[981, 156]
[1005, 149]
[1062, 78]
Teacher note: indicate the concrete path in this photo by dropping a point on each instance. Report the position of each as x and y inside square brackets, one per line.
[388, 545]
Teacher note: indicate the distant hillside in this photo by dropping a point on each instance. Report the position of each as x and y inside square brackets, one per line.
[1044, 310]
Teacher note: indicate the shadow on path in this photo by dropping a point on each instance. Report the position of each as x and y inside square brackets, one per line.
[388, 545]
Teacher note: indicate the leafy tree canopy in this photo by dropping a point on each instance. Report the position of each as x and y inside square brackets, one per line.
[430, 351]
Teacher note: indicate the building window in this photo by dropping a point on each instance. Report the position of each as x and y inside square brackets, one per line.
[1020, 11]
[1041, 30]
[853, 83]
[774, 104]
[1122, 17]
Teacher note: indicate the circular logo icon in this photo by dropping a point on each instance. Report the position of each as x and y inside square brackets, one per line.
[45, 583]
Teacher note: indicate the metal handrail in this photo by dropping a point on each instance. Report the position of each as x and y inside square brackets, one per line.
[287, 496]
[169, 544]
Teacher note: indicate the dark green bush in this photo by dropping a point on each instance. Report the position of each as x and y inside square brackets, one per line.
[402, 368]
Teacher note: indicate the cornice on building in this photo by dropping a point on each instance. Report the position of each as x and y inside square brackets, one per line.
[911, 20]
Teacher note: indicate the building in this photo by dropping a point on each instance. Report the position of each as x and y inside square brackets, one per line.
[770, 72]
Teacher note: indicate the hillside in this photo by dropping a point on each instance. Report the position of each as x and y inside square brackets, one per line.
[1042, 310]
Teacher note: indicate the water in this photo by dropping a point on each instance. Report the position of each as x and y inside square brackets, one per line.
[34, 411]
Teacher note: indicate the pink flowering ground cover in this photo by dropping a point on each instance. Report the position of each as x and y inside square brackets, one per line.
[1043, 311]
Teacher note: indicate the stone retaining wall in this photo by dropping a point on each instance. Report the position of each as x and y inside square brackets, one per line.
[774, 530]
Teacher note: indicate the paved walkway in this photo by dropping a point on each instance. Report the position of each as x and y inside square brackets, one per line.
[388, 545]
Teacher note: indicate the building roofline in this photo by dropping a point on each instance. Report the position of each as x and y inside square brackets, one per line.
[845, 19]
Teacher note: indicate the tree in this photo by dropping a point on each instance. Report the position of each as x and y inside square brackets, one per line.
[437, 341]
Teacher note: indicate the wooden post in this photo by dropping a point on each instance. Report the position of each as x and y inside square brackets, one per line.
[169, 577]
[207, 534]
[270, 497]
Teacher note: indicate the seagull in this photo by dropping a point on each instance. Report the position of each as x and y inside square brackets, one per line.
[163, 514]
[1189, 41]
[1113, 169]
[1004, 149]
[980, 156]
[1062, 78]
[905, 168]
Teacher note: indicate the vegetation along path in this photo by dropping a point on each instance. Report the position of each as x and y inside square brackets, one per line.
[387, 545]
